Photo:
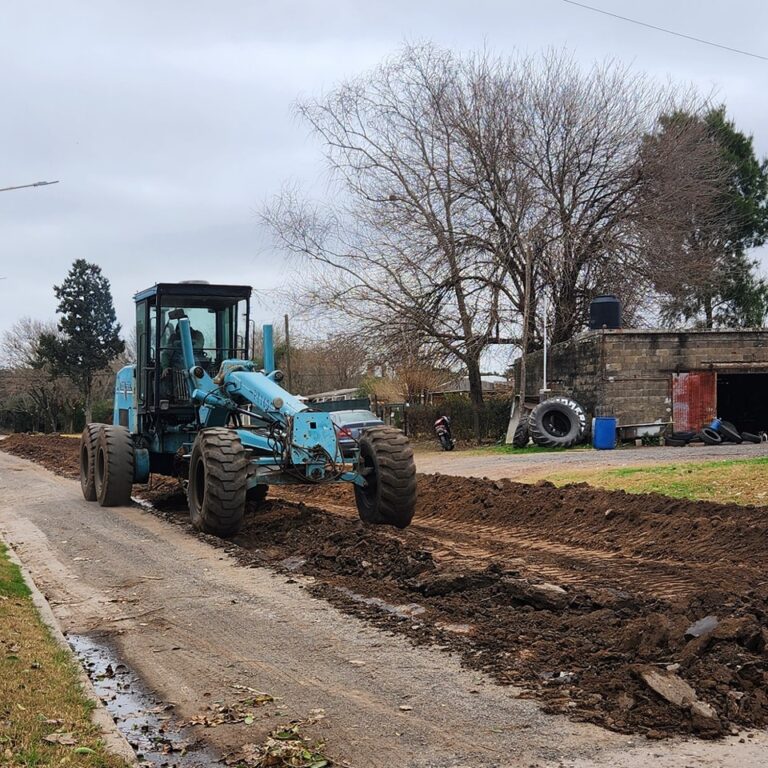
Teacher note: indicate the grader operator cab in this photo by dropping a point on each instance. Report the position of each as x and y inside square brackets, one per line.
[194, 406]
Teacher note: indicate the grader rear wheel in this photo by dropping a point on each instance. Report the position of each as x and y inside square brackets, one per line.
[88, 460]
[113, 470]
[386, 461]
[218, 472]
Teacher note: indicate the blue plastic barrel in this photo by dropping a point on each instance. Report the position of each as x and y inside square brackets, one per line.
[604, 433]
[715, 424]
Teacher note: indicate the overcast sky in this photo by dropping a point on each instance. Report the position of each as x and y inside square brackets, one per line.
[170, 124]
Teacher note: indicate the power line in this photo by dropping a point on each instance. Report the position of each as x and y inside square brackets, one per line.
[26, 186]
[667, 31]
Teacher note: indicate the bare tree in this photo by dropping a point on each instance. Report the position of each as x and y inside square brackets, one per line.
[467, 186]
[48, 401]
[337, 361]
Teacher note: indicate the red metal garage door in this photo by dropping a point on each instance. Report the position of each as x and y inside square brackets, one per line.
[693, 399]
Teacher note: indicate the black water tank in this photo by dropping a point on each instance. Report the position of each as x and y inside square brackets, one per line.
[604, 312]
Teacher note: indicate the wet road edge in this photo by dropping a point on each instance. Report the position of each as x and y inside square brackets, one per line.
[114, 739]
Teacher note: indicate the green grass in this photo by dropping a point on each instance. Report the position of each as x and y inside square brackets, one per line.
[11, 581]
[738, 481]
[40, 694]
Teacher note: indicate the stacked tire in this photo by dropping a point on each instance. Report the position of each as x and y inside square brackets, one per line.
[559, 422]
[730, 434]
[723, 432]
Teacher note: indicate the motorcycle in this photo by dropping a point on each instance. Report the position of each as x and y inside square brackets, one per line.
[443, 431]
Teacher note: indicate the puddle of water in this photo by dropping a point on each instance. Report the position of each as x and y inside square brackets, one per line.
[146, 723]
[405, 611]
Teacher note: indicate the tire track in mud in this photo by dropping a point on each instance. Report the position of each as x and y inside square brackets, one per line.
[464, 543]
[627, 576]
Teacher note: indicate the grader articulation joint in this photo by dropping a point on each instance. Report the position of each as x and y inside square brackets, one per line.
[195, 406]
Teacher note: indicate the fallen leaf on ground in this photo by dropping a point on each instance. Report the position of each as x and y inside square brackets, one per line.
[239, 712]
[66, 739]
[283, 748]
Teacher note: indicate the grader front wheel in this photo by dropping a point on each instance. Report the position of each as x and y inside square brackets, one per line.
[218, 472]
[386, 461]
[88, 460]
[113, 469]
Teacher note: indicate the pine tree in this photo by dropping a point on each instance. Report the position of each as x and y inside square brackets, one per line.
[89, 338]
[730, 293]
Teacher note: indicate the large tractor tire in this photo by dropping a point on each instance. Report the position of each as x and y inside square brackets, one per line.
[113, 470]
[218, 473]
[88, 446]
[559, 422]
[386, 461]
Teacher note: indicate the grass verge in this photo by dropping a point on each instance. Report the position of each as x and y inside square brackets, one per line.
[734, 481]
[45, 716]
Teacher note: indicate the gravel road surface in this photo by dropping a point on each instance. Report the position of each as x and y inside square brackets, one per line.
[534, 466]
[194, 625]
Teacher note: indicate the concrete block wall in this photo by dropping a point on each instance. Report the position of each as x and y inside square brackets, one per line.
[628, 373]
[574, 369]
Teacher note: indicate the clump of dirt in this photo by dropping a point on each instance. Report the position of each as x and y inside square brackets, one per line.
[587, 599]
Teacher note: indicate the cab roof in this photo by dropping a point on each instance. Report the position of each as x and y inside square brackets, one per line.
[200, 289]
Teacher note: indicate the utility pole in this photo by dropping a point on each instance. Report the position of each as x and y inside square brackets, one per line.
[288, 355]
[517, 412]
[26, 186]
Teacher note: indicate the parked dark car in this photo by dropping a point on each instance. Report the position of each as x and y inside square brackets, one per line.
[350, 427]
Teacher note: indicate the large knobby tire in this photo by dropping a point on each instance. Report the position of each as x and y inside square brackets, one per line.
[113, 469]
[88, 460]
[522, 436]
[559, 422]
[750, 437]
[218, 473]
[386, 461]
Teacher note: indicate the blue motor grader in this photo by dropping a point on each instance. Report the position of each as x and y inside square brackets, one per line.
[195, 407]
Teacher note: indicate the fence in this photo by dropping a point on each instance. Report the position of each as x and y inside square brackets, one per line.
[418, 420]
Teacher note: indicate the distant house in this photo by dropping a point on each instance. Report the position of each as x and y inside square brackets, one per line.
[338, 400]
[351, 393]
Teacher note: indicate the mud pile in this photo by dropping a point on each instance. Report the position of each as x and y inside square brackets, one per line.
[60, 454]
[641, 613]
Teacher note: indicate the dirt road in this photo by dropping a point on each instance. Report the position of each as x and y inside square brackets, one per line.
[531, 466]
[194, 624]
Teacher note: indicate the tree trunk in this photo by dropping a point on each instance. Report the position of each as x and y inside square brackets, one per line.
[88, 407]
[708, 312]
[475, 394]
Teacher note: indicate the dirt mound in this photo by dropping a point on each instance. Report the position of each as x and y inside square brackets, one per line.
[587, 599]
[60, 454]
